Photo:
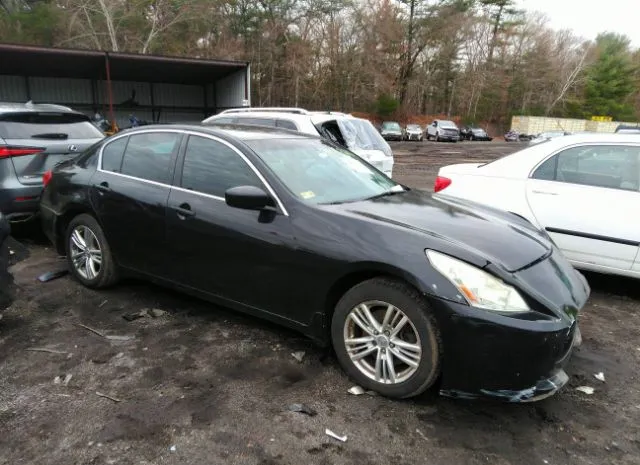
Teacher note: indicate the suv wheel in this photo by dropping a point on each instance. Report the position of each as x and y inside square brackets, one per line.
[88, 253]
[386, 338]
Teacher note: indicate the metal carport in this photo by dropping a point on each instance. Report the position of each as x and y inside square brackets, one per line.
[154, 88]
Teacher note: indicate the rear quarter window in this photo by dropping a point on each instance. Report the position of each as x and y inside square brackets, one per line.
[53, 126]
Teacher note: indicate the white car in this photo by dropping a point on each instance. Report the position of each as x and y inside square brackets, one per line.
[442, 129]
[584, 190]
[355, 134]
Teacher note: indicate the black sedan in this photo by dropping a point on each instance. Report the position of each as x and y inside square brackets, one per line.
[410, 289]
[473, 133]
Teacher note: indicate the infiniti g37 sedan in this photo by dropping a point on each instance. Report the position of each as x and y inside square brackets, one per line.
[409, 289]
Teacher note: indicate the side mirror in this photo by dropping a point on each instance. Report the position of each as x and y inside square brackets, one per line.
[248, 198]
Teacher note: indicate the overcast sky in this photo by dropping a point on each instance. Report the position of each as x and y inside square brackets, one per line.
[589, 17]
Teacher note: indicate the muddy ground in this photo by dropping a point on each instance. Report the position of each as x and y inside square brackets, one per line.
[201, 385]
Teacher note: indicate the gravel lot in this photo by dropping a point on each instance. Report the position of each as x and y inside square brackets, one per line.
[201, 385]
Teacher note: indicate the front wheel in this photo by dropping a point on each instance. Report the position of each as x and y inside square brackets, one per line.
[88, 253]
[386, 338]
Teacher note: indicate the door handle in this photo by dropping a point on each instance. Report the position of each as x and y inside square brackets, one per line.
[184, 211]
[103, 186]
[544, 192]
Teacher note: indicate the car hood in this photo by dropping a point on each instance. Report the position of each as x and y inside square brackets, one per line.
[498, 237]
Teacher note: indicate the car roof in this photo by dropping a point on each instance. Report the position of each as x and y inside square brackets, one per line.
[10, 107]
[260, 114]
[227, 131]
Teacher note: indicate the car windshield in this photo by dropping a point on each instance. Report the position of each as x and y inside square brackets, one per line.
[448, 124]
[413, 127]
[391, 126]
[360, 133]
[478, 130]
[316, 172]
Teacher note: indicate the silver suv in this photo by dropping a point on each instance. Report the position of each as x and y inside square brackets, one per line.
[356, 134]
[442, 129]
[34, 138]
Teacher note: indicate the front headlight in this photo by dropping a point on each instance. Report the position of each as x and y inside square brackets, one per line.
[479, 288]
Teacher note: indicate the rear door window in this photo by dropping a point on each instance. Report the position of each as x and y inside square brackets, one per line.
[610, 166]
[47, 126]
[211, 167]
[112, 154]
[149, 155]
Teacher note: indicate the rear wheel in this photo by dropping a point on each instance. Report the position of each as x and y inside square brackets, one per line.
[88, 253]
[386, 338]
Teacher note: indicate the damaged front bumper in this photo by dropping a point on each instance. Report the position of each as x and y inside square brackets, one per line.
[518, 358]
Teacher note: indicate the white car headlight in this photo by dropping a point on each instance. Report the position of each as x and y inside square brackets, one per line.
[478, 287]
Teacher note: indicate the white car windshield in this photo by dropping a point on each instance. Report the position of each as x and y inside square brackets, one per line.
[391, 126]
[448, 124]
[361, 134]
[316, 172]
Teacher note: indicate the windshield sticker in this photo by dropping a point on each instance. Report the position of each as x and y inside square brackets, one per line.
[307, 195]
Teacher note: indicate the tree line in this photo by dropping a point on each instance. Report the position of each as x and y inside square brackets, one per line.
[480, 60]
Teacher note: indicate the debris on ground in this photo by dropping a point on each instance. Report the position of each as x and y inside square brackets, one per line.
[106, 396]
[104, 302]
[51, 275]
[157, 313]
[135, 315]
[301, 408]
[48, 351]
[356, 390]
[328, 432]
[106, 336]
[599, 376]
[145, 312]
[422, 435]
[172, 448]
[586, 389]
[63, 381]
[299, 356]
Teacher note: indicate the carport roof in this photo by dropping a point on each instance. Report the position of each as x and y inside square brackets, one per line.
[25, 60]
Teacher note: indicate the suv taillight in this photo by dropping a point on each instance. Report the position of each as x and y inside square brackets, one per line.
[46, 177]
[8, 151]
[441, 183]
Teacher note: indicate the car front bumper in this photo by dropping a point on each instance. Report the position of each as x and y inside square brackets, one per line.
[517, 358]
[392, 136]
[493, 359]
[414, 136]
[449, 137]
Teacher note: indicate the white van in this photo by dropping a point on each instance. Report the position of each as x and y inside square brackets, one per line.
[356, 134]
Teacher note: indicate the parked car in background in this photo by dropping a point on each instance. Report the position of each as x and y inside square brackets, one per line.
[628, 129]
[443, 130]
[543, 136]
[515, 136]
[413, 132]
[33, 138]
[583, 190]
[355, 134]
[6, 280]
[474, 133]
[409, 289]
[391, 130]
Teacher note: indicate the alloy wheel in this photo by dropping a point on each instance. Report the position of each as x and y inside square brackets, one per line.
[86, 254]
[382, 342]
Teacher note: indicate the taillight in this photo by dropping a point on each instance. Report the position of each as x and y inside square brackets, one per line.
[441, 183]
[46, 177]
[7, 151]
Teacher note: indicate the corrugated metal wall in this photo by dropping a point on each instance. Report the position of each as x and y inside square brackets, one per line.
[60, 90]
[13, 89]
[230, 91]
[160, 102]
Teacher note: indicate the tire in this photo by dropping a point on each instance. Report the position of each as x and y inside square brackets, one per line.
[421, 331]
[92, 275]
